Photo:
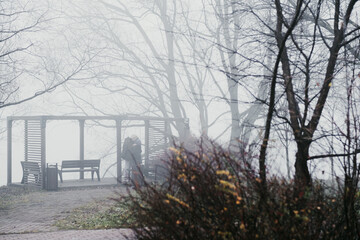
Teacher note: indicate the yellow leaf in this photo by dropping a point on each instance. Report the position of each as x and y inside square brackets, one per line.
[174, 150]
[242, 226]
[222, 172]
[179, 159]
[177, 200]
[330, 84]
[227, 184]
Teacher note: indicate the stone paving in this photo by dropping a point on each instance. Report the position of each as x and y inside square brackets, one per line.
[110, 234]
[33, 215]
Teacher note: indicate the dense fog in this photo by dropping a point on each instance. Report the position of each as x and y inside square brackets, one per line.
[217, 63]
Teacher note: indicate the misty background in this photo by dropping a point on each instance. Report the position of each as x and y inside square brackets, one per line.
[209, 61]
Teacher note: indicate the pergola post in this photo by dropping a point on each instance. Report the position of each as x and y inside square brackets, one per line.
[9, 151]
[82, 144]
[166, 132]
[118, 150]
[43, 151]
[26, 141]
[147, 138]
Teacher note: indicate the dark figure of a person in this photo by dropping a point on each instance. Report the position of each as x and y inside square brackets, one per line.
[132, 154]
[128, 157]
[135, 150]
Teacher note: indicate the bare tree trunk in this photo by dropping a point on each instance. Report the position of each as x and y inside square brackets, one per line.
[254, 111]
[302, 175]
[175, 103]
[229, 30]
[234, 107]
[303, 133]
[281, 41]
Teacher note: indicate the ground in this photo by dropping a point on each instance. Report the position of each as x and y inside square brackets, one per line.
[33, 215]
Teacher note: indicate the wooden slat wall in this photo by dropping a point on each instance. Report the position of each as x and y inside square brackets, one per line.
[33, 149]
[158, 141]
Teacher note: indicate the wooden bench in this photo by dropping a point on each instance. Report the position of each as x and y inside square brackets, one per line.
[80, 166]
[32, 168]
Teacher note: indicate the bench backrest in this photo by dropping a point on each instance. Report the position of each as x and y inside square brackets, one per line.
[94, 163]
[30, 166]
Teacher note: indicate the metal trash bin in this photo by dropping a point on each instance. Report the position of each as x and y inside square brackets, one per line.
[52, 177]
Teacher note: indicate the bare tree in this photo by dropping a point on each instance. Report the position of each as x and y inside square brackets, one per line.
[160, 70]
[301, 54]
[25, 73]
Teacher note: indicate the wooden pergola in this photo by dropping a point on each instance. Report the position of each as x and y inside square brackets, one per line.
[156, 128]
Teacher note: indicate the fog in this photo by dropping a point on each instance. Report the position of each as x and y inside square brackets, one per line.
[209, 61]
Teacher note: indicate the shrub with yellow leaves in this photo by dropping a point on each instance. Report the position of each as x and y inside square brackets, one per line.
[213, 193]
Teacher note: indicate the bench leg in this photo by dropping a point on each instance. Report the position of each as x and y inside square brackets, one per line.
[60, 175]
[97, 172]
[25, 178]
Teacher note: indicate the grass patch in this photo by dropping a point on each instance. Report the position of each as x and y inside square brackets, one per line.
[11, 195]
[96, 215]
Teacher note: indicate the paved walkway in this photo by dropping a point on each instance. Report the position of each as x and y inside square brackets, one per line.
[110, 234]
[33, 215]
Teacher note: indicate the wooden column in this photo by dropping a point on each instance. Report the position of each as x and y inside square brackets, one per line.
[118, 150]
[82, 144]
[166, 133]
[43, 152]
[9, 151]
[147, 139]
[26, 141]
